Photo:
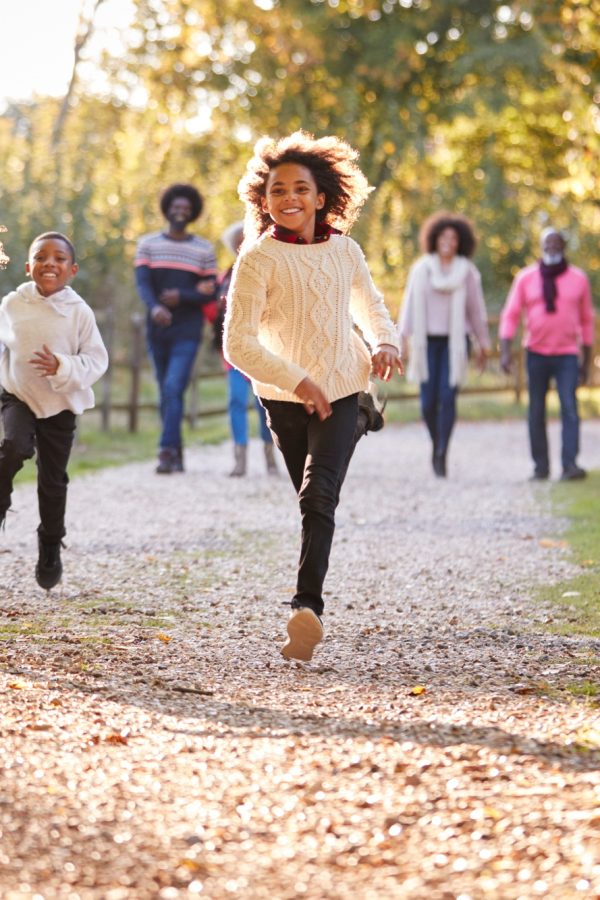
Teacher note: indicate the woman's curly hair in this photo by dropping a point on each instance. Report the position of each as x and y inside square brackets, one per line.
[434, 225]
[182, 190]
[332, 163]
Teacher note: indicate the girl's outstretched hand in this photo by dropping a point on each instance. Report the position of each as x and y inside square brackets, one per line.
[44, 361]
[313, 398]
[385, 361]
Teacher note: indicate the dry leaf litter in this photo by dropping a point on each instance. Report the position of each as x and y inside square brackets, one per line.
[154, 743]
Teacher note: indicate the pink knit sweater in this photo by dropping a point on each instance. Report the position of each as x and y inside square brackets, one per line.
[551, 334]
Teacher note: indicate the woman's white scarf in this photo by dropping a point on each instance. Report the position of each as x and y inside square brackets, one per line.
[428, 271]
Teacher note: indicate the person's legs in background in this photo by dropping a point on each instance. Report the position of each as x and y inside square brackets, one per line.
[158, 350]
[430, 393]
[539, 373]
[429, 408]
[566, 374]
[446, 412]
[237, 389]
[173, 364]
[267, 439]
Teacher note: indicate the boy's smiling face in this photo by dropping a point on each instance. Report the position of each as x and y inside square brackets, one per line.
[50, 265]
[292, 199]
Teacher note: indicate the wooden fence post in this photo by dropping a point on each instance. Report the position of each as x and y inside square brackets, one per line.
[137, 345]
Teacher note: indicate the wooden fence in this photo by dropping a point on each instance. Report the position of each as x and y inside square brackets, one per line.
[137, 365]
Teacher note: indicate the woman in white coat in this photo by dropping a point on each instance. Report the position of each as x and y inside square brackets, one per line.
[443, 306]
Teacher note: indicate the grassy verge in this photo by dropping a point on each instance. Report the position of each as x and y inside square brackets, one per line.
[578, 599]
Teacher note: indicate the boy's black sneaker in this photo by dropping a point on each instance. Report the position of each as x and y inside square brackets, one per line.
[48, 570]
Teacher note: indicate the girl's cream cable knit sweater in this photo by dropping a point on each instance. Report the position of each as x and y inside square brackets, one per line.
[291, 313]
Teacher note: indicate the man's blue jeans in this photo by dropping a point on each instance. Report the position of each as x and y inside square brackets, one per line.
[173, 363]
[438, 397]
[564, 369]
[239, 386]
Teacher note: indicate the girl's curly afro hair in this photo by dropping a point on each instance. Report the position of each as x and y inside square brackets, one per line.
[332, 163]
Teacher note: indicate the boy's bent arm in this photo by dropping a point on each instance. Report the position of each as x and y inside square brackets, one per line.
[81, 370]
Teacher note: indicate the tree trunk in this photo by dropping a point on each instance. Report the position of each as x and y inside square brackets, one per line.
[84, 32]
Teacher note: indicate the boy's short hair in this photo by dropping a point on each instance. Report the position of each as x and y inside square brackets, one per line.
[332, 163]
[55, 236]
[435, 224]
[182, 190]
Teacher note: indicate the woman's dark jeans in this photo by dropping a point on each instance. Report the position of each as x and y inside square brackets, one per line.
[438, 397]
[53, 438]
[316, 455]
[541, 370]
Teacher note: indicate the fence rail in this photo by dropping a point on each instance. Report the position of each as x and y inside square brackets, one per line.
[138, 364]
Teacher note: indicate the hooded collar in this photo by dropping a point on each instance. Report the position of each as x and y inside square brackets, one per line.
[29, 292]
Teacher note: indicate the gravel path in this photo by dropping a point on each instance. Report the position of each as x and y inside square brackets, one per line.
[154, 743]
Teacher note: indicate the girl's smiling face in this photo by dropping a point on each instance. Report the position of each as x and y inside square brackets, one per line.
[292, 199]
[50, 265]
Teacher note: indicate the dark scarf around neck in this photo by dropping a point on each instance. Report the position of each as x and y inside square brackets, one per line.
[549, 275]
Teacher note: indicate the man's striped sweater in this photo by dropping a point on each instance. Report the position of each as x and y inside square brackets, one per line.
[162, 262]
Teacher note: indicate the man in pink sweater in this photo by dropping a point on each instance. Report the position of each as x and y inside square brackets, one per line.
[556, 301]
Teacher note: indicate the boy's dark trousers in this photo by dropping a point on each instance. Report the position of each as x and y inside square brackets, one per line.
[316, 455]
[53, 439]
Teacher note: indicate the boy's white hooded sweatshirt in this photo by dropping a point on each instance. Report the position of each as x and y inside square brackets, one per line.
[66, 324]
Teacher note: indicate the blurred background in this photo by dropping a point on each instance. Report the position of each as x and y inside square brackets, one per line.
[487, 108]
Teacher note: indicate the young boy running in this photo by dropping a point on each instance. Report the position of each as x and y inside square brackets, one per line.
[51, 353]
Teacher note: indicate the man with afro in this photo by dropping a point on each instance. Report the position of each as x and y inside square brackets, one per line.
[175, 278]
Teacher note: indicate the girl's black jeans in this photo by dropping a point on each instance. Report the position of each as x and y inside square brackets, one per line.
[53, 437]
[316, 455]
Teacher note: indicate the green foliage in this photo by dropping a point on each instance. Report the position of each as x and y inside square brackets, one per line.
[485, 107]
